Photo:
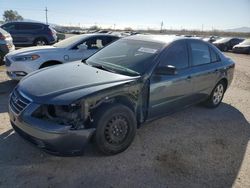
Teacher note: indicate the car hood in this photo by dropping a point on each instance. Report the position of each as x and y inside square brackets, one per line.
[33, 50]
[63, 84]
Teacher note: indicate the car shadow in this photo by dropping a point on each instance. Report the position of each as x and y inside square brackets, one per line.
[202, 147]
[5, 89]
[197, 147]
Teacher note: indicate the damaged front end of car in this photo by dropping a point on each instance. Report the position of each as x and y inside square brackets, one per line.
[72, 115]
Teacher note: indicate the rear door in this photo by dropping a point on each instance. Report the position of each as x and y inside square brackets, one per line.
[205, 72]
[234, 42]
[26, 32]
[169, 93]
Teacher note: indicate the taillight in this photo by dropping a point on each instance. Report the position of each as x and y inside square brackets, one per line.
[50, 33]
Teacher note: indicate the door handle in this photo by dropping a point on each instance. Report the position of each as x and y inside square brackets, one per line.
[216, 70]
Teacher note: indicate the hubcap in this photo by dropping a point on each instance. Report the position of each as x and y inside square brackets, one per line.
[40, 43]
[116, 130]
[218, 94]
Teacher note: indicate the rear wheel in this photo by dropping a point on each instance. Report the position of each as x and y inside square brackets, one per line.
[40, 42]
[217, 95]
[225, 49]
[115, 128]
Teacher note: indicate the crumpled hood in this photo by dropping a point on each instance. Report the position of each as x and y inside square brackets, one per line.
[68, 82]
[33, 50]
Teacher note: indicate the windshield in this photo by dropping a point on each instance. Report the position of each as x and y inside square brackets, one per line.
[69, 41]
[223, 40]
[126, 56]
[246, 42]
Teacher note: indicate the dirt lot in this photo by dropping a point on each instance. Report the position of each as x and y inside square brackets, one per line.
[197, 147]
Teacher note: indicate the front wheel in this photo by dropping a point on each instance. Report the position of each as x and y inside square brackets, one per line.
[115, 128]
[217, 95]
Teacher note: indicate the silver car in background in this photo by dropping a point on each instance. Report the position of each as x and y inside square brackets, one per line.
[6, 44]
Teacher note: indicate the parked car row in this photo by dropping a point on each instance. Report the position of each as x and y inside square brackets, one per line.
[107, 96]
[30, 33]
[237, 45]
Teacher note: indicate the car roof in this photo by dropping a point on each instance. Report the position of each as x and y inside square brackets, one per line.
[25, 22]
[165, 39]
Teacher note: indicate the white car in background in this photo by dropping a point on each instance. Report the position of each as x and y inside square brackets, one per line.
[21, 62]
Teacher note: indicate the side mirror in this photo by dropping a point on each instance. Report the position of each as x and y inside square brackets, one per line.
[166, 70]
[82, 47]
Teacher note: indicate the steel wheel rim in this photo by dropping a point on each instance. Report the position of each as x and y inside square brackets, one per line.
[116, 130]
[218, 94]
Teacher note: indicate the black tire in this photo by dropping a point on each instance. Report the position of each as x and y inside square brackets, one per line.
[1, 58]
[115, 128]
[40, 42]
[216, 95]
[225, 49]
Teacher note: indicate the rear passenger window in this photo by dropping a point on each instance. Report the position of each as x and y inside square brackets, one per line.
[214, 56]
[176, 55]
[29, 27]
[200, 53]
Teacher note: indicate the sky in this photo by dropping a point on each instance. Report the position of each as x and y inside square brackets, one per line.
[138, 14]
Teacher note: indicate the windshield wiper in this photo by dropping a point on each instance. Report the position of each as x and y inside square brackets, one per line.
[102, 67]
[121, 68]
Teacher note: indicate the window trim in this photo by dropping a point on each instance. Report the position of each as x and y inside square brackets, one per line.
[218, 57]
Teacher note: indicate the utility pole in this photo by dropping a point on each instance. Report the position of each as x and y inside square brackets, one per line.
[161, 27]
[46, 14]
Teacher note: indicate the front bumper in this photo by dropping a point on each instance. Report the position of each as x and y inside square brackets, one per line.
[18, 70]
[51, 137]
[241, 50]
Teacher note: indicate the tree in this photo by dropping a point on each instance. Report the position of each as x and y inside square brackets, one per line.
[94, 27]
[11, 15]
[128, 29]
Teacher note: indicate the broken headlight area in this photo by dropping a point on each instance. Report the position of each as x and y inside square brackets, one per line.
[67, 115]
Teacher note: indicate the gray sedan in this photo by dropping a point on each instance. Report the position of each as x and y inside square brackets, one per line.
[112, 93]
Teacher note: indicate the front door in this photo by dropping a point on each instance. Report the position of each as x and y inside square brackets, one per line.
[169, 93]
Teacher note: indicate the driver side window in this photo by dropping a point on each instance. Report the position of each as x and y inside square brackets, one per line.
[176, 55]
[94, 43]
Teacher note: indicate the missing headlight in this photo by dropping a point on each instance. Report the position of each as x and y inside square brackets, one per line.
[70, 115]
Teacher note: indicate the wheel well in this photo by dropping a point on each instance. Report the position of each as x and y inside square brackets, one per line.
[224, 80]
[126, 101]
[50, 63]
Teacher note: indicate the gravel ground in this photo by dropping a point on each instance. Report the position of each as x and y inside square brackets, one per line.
[197, 147]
